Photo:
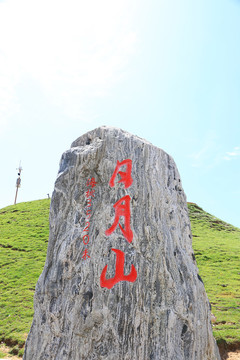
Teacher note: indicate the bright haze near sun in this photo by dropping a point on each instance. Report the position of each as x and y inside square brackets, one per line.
[166, 71]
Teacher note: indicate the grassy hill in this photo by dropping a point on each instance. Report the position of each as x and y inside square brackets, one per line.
[216, 246]
[23, 247]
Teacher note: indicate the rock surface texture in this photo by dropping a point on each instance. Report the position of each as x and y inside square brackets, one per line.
[150, 302]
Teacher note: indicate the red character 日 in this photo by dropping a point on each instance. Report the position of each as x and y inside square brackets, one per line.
[126, 177]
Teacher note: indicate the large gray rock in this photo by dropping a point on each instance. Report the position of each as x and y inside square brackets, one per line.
[157, 307]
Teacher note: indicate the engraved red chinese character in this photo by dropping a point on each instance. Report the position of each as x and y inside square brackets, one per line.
[122, 208]
[119, 272]
[90, 193]
[85, 254]
[91, 182]
[89, 202]
[86, 239]
[126, 177]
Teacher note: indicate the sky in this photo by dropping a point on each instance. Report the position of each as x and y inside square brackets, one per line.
[167, 71]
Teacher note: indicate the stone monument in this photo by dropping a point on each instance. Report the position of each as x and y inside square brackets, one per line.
[120, 279]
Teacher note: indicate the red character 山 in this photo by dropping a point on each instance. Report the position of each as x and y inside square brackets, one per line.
[119, 272]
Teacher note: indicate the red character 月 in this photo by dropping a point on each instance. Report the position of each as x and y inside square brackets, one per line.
[126, 177]
[122, 208]
[119, 272]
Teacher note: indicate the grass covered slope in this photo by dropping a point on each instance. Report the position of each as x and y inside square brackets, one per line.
[217, 250]
[23, 246]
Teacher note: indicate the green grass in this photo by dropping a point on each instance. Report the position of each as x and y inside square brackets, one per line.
[217, 250]
[23, 247]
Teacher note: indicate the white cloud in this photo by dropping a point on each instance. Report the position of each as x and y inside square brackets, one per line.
[232, 154]
[197, 156]
[205, 156]
[74, 49]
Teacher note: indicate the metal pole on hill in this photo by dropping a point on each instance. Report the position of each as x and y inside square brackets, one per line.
[18, 182]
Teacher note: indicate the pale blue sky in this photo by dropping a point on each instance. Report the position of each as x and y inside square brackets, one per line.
[167, 71]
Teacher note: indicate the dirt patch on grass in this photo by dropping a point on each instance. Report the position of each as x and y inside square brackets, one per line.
[229, 351]
[5, 350]
[233, 355]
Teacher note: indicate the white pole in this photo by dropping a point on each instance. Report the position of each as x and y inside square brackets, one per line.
[18, 184]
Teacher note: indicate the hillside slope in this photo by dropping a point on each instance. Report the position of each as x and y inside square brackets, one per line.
[216, 246]
[23, 246]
